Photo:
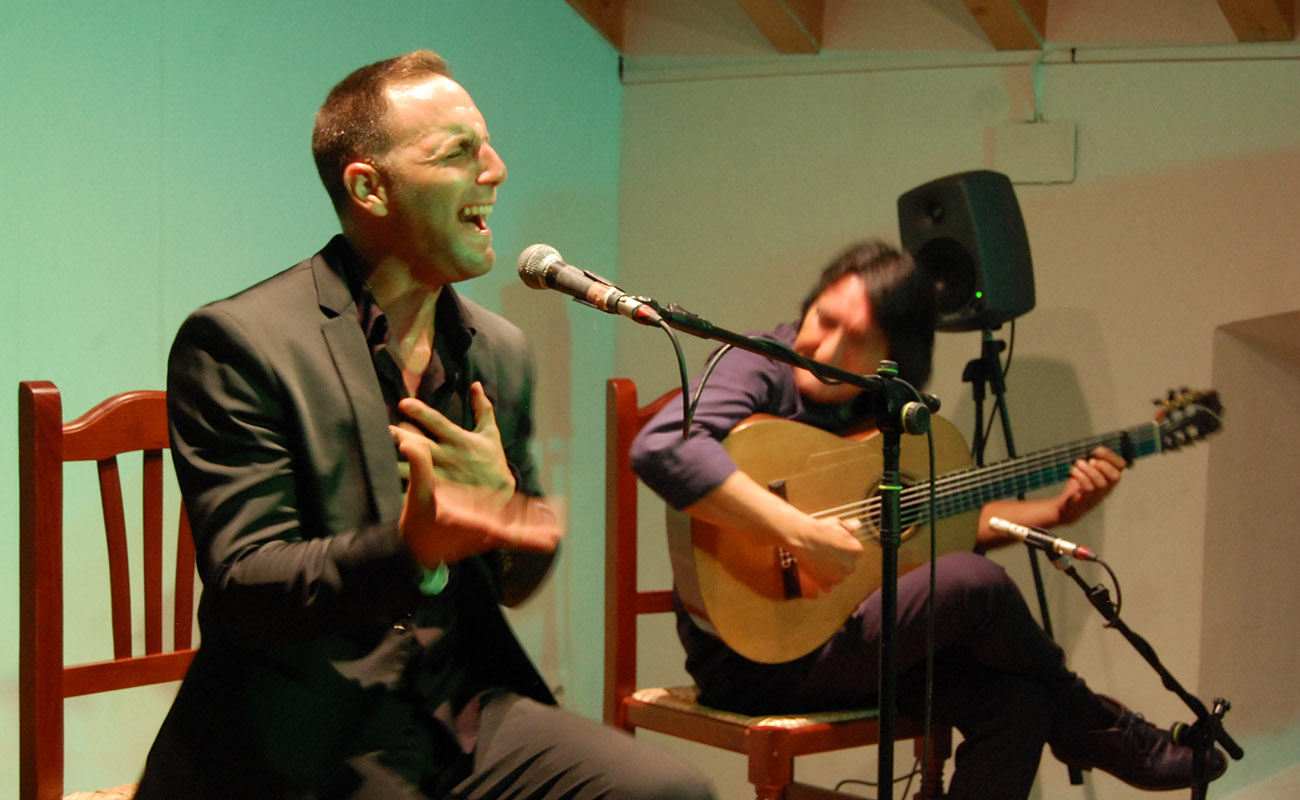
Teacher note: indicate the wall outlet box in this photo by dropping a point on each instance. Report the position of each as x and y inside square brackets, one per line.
[1035, 152]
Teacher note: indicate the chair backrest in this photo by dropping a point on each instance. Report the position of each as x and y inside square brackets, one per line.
[126, 423]
[623, 599]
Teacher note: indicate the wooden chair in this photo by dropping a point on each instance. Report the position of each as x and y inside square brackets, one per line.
[121, 425]
[769, 743]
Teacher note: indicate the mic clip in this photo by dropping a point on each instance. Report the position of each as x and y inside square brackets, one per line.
[1059, 560]
[598, 279]
[693, 324]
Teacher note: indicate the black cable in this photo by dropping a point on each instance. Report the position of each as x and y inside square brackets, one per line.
[704, 378]
[908, 778]
[929, 605]
[1119, 594]
[681, 369]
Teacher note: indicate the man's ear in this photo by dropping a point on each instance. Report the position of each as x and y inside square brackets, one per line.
[365, 187]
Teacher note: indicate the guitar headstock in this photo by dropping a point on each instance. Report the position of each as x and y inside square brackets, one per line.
[1186, 416]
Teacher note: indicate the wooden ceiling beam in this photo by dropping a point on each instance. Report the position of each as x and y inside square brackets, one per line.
[1011, 24]
[1260, 20]
[792, 26]
[608, 17]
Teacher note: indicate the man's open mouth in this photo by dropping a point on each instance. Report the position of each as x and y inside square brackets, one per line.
[475, 216]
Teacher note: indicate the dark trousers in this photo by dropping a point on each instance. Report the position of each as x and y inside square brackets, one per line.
[530, 751]
[999, 679]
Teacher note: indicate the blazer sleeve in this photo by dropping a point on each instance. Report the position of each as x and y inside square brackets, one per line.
[276, 569]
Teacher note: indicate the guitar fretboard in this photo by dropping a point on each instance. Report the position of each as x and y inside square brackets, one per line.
[968, 489]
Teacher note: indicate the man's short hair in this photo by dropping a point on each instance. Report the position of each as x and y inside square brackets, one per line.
[350, 123]
[902, 298]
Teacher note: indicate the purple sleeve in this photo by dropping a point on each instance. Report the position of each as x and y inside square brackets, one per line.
[682, 471]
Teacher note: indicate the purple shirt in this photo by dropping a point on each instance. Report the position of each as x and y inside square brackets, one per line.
[682, 471]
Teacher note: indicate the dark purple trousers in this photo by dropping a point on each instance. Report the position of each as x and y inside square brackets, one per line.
[999, 679]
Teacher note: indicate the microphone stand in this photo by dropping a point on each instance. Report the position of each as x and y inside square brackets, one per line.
[1208, 728]
[988, 369]
[894, 409]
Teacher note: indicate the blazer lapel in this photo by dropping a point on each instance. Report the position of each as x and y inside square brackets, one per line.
[356, 371]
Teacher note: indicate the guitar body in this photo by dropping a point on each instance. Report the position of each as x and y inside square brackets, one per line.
[742, 594]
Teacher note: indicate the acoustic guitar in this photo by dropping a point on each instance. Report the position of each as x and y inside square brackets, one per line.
[751, 597]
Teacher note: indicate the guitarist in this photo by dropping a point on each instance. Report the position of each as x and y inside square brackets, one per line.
[999, 679]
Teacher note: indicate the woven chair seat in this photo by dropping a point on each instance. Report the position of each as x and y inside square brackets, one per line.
[124, 792]
[686, 698]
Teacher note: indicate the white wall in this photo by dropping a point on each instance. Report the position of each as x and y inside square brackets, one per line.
[736, 191]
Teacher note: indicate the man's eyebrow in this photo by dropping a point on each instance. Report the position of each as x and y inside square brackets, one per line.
[442, 138]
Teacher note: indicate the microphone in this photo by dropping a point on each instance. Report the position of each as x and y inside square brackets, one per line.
[1042, 540]
[542, 267]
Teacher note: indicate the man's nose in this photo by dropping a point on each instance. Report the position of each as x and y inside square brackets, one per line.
[494, 167]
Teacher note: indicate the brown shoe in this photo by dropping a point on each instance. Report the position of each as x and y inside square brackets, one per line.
[1137, 752]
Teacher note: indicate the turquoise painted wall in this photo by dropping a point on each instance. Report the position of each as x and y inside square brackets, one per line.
[156, 156]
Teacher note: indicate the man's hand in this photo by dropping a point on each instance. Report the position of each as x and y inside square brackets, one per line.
[444, 521]
[470, 457]
[1090, 481]
[826, 548]
[827, 551]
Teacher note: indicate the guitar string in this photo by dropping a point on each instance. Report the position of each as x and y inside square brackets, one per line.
[954, 490]
[970, 488]
[1169, 431]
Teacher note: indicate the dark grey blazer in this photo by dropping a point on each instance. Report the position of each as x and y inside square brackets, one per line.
[311, 608]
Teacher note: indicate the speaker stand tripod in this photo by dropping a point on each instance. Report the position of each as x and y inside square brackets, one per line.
[987, 371]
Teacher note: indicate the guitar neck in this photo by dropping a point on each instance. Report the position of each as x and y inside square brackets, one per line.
[969, 489]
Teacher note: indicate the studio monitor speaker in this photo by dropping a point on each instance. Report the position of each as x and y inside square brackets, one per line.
[966, 230]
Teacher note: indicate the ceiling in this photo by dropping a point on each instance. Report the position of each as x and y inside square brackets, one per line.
[722, 28]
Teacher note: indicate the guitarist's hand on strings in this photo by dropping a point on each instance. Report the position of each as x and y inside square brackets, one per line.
[825, 548]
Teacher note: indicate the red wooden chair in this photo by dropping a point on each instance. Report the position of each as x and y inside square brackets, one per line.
[121, 425]
[769, 743]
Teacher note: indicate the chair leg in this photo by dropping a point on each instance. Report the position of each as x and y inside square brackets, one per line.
[771, 763]
[933, 762]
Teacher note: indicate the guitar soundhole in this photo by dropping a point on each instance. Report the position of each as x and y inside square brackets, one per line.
[911, 515]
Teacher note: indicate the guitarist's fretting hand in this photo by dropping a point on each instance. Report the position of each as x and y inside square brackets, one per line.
[1090, 481]
[825, 548]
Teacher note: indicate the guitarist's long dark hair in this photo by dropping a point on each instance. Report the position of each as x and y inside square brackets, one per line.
[902, 302]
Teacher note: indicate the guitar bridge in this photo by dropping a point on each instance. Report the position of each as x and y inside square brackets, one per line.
[789, 574]
[785, 559]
